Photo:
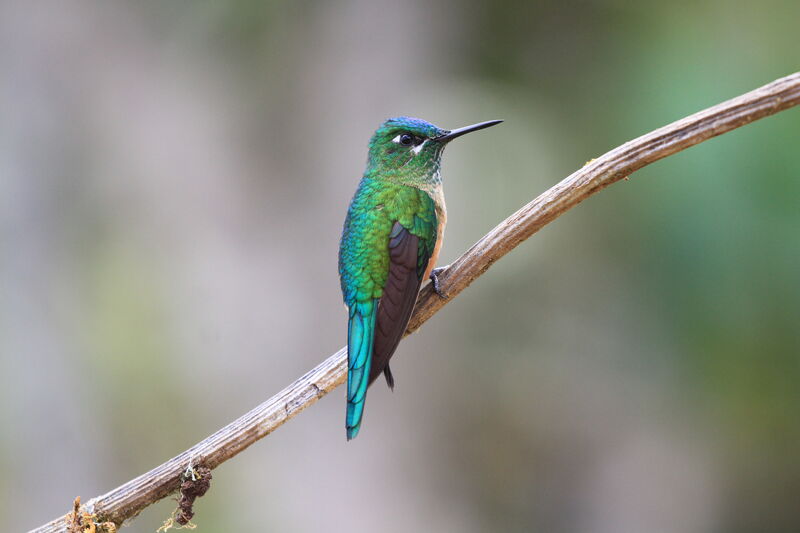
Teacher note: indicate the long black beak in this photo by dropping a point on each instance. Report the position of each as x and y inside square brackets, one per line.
[466, 129]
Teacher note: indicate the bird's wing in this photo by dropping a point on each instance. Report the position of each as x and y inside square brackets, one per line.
[408, 259]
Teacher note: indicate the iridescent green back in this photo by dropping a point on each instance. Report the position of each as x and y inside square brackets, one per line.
[363, 255]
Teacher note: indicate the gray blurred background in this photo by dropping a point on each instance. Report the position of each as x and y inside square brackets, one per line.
[173, 180]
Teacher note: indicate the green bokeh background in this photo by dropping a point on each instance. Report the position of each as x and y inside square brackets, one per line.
[173, 179]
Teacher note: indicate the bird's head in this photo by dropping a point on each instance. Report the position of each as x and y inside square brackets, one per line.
[409, 150]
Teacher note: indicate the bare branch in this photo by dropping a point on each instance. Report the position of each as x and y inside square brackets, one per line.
[128, 500]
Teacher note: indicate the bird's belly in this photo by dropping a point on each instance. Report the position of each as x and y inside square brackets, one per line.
[433, 259]
[442, 216]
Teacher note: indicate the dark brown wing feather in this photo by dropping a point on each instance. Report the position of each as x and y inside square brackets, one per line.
[397, 302]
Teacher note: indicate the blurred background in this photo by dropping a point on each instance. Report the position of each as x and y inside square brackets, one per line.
[173, 180]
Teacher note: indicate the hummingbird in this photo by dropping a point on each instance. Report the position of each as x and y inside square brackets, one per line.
[390, 243]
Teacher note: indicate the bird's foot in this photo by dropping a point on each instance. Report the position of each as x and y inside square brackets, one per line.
[437, 287]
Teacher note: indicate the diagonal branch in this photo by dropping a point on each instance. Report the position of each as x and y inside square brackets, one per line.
[129, 499]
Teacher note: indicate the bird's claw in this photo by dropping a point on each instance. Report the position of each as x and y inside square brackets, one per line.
[437, 287]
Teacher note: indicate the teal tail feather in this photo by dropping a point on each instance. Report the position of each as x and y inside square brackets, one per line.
[360, 335]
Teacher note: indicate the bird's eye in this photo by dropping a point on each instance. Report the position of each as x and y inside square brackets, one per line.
[405, 139]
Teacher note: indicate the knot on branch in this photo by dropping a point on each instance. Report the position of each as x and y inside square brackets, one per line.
[82, 521]
[196, 480]
[196, 483]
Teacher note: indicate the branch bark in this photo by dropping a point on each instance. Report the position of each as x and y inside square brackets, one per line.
[127, 500]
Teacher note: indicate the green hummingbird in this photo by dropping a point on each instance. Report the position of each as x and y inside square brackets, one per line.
[390, 242]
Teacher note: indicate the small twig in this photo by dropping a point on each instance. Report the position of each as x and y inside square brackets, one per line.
[129, 499]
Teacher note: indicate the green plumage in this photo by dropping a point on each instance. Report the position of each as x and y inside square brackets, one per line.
[364, 255]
